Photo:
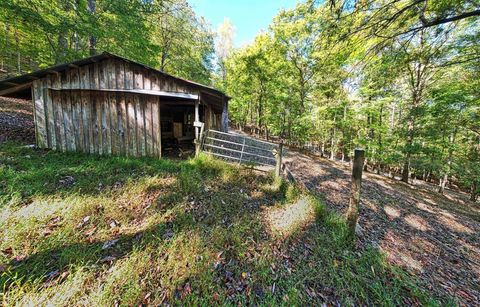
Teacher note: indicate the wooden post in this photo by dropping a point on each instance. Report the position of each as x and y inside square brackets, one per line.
[352, 213]
[198, 143]
[197, 117]
[278, 157]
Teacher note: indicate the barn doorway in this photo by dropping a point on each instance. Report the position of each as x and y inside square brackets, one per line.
[177, 130]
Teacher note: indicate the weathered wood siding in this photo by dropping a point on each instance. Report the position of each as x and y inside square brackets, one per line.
[76, 118]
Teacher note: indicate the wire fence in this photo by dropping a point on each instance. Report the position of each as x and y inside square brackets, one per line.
[239, 148]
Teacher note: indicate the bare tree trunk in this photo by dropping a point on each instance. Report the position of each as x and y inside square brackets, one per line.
[408, 145]
[444, 180]
[332, 140]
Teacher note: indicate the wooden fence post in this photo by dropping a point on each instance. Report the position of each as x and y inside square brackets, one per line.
[278, 157]
[352, 213]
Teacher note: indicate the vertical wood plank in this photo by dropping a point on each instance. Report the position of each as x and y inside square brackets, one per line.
[122, 123]
[102, 74]
[128, 76]
[138, 78]
[87, 81]
[148, 126]
[66, 109]
[112, 103]
[159, 130]
[155, 82]
[74, 81]
[97, 128]
[38, 111]
[67, 121]
[120, 74]
[52, 142]
[140, 118]
[155, 127]
[132, 133]
[57, 106]
[109, 111]
[94, 72]
[106, 124]
[77, 122]
[147, 83]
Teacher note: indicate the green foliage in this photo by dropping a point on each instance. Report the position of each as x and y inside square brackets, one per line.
[162, 34]
[334, 78]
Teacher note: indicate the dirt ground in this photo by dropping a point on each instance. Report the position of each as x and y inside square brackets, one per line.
[16, 120]
[433, 236]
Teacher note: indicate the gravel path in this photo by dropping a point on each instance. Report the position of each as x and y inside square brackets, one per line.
[432, 236]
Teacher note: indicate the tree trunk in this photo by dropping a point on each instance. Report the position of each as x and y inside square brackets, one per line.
[473, 192]
[408, 145]
[444, 180]
[93, 39]
[332, 141]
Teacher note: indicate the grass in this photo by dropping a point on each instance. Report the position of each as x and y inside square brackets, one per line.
[88, 230]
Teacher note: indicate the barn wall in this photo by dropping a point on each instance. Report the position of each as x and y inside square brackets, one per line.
[103, 122]
[99, 122]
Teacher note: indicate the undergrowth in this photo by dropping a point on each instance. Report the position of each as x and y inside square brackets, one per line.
[88, 230]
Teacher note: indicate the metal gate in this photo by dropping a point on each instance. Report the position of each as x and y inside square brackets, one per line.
[239, 148]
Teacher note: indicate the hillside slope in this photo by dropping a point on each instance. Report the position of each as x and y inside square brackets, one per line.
[434, 237]
[88, 230]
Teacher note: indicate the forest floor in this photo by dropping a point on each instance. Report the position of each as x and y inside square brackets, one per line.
[16, 120]
[434, 237]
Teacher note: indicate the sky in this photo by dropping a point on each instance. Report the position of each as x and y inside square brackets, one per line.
[248, 16]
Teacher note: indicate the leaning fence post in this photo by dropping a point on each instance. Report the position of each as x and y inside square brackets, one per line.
[352, 213]
[278, 156]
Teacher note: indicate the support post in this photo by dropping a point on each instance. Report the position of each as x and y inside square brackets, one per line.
[278, 157]
[352, 213]
[197, 117]
[198, 143]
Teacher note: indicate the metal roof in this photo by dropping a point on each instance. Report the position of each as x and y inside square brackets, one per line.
[28, 78]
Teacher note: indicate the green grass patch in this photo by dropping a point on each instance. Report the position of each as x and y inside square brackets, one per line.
[89, 230]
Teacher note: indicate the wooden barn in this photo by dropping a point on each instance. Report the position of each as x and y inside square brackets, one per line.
[106, 104]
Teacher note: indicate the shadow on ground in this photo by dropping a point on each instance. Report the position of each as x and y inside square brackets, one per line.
[435, 237]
